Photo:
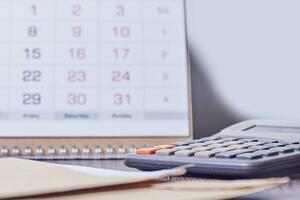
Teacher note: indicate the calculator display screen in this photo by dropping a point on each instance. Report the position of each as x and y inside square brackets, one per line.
[93, 68]
[274, 129]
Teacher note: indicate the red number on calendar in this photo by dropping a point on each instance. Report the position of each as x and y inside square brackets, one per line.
[118, 76]
[76, 10]
[76, 31]
[78, 54]
[121, 53]
[122, 32]
[33, 9]
[77, 99]
[120, 10]
[76, 76]
[122, 99]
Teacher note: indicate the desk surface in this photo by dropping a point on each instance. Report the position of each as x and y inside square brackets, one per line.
[290, 191]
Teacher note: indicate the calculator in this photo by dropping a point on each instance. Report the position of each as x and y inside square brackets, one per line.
[249, 149]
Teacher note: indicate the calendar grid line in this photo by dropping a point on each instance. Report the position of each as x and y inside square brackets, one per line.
[10, 61]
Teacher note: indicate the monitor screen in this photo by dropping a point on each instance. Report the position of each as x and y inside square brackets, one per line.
[93, 68]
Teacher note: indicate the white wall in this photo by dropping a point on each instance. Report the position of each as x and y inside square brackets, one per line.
[248, 52]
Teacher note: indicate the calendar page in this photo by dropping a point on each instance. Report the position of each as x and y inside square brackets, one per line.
[93, 68]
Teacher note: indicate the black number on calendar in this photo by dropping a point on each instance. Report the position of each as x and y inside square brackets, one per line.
[34, 53]
[32, 99]
[32, 76]
[32, 31]
[76, 99]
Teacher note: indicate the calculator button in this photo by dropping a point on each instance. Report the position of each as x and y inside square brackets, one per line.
[256, 143]
[267, 140]
[267, 146]
[183, 147]
[233, 153]
[214, 137]
[164, 146]
[201, 140]
[181, 143]
[166, 152]
[294, 146]
[268, 152]
[185, 153]
[197, 145]
[293, 142]
[240, 146]
[278, 144]
[212, 142]
[234, 142]
[249, 139]
[283, 149]
[146, 151]
[229, 138]
[249, 156]
[207, 148]
[207, 154]
[218, 145]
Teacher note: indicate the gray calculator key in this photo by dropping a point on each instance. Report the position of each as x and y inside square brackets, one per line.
[207, 154]
[260, 147]
[256, 143]
[249, 156]
[268, 152]
[181, 143]
[232, 154]
[294, 146]
[185, 153]
[197, 145]
[182, 147]
[283, 149]
[214, 137]
[268, 146]
[200, 140]
[294, 143]
[249, 139]
[227, 138]
[267, 140]
[166, 152]
[233, 142]
[279, 144]
[205, 148]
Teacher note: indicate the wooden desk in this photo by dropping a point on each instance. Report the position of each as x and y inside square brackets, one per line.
[286, 192]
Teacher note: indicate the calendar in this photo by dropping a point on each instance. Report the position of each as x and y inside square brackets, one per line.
[93, 68]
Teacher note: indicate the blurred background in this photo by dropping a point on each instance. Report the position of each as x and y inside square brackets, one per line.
[245, 57]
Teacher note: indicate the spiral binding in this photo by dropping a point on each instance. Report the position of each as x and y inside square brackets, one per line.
[63, 152]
